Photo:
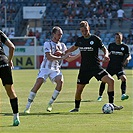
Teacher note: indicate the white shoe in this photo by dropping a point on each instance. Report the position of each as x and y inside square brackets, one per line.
[27, 111]
[49, 108]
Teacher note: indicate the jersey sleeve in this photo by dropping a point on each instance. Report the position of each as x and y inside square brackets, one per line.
[64, 48]
[3, 37]
[100, 43]
[47, 47]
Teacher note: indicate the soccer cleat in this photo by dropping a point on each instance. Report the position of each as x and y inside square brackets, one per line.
[27, 111]
[124, 97]
[117, 107]
[16, 122]
[99, 98]
[49, 108]
[74, 110]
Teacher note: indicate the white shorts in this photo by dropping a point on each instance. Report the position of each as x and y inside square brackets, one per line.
[45, 73]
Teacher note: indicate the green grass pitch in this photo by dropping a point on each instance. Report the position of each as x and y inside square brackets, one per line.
[90, 119]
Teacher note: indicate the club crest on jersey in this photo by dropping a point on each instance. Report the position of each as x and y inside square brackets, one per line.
[91, 42]
[122, 48]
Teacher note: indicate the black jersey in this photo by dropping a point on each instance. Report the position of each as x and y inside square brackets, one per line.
[3, 38]
[89, 51]
[3, 58]
[117, 54]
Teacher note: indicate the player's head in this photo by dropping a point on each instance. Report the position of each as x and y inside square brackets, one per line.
[118, 37]
[85, 28]
[57, 33]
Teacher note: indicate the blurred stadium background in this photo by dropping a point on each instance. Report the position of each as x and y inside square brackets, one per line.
[28, 24]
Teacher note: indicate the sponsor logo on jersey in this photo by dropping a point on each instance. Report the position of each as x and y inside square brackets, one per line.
[116, 53]
[86, 49]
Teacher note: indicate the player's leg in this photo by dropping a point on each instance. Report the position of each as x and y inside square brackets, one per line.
[123, 87]
[110, 81]
[101, 90]
[7, 81]
[79, 90]
[83, 79]
[14, 103]
[39, 81]
[59, 83]
[32, 94]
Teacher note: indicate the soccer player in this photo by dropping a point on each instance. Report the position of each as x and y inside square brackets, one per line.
[50, 67]
[89, 45]
[119, 57]
[6, 75]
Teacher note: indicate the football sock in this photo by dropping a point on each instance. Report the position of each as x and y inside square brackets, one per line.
[123, 87]
[14, 105]
[102, 88]
[30, 99]
[77, 103]
[111, 96]
[54, 96]
[16, 116]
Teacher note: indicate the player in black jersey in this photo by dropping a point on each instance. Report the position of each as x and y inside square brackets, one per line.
[6, 75]
[89, 45]
[119, 57]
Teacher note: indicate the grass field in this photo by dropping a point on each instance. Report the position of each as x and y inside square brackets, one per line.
[90, 119]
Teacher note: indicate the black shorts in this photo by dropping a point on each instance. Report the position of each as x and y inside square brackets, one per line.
[6, 75]
[84, 76]
[118, 72]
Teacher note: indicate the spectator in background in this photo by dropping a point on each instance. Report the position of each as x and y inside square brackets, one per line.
[131, 18]
[11, 34]
[130, 37]
[102, 22]
[87, 2]
[97, 32]
[30, 33]
[75, 37]
[110, 17]
[120, 2]
[37, 34]
[120, 16]
[70, 38]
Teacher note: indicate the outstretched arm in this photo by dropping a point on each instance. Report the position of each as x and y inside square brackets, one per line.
[72, 57]
[71, 49]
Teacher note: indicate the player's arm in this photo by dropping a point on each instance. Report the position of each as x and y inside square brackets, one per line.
[11, 47]
[72, 57]
[54, 57]
[71, 49]
[126, 60]
[106, 54]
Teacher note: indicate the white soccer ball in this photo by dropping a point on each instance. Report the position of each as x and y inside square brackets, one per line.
[108, 108]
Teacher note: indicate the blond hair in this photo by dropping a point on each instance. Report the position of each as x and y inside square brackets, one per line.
[84, 24]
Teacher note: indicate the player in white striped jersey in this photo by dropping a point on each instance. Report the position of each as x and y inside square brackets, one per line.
[50, 67]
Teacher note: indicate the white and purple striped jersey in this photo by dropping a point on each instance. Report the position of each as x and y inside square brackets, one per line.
[52, 47]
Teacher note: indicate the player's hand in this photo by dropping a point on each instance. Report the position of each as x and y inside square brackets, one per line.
[58, 53]
[106, 59]
[125, 62]
[66, 56]
[11, 64]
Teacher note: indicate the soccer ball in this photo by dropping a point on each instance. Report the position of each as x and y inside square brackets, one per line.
[108, 108]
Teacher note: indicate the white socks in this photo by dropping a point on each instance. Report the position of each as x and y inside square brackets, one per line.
[54, 96]
[30, 99]
[16, 116]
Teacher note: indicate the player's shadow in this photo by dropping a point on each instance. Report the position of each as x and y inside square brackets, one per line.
[73, 101]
